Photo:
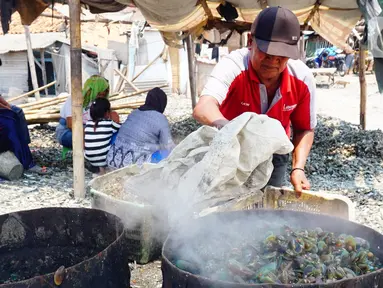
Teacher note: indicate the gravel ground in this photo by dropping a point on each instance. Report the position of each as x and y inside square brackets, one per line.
[344, 160]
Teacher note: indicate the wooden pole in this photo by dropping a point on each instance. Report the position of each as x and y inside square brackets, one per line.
[44, 70]
[147, 66]
[47, 104]
[43, 118]
[32, 92]
[77, 99]
[126, 79]
[31, 60]
[363, 88]
[44, 101]
[192, 78]
[118, 97]
[127, 105]
[41, 111]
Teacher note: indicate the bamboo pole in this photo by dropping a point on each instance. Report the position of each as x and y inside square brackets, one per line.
[42, 117]
[150, 64]
[43, 101]
[127, 105]
[118, 97]
[44, 70]
[43, 105]
[126, 79]
[32, 92]
[192, 78]
[363, 88]
[124, 111]
[31, 60]
[33, 112]
[120, 80]
[77, 99]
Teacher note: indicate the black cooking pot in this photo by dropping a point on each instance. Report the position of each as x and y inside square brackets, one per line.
[238, 225]
[90, 243]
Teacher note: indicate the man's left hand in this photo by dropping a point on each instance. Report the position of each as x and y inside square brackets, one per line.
[299, 181]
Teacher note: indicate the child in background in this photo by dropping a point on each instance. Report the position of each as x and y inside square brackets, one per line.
[98, 134]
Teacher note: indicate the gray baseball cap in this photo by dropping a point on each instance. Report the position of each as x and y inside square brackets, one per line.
[276, 31]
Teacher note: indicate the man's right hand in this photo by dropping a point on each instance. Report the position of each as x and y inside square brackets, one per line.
[207, 112]
[220, 123]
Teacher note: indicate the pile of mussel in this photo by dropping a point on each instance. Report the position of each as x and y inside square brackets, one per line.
[289, 257]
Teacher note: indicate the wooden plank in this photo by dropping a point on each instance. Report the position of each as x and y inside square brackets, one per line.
[118, 97]
[120, 80]
[323, 70]
[126, 79]
[147, 66]
[48, 104]
[127, 105]
[363, 87]
[40, 118]
[77, 99]
[41, 111]
[32, 92]
[30, 105]
[31, 62]
[44, 70]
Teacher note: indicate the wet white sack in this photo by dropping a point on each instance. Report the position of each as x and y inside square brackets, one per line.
[209, 166]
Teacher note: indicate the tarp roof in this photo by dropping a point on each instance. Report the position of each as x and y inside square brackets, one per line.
[16, 42]
[332, 19]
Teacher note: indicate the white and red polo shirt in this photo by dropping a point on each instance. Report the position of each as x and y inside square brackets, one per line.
[237, 89]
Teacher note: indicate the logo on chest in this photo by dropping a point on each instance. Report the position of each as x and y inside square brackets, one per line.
[245, 104]
[289, 107]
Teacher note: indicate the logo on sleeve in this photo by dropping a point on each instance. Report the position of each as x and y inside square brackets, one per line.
[289, 107]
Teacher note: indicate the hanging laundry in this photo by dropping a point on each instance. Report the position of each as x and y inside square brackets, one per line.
[215, 53]
[6, 9]
[198, 48]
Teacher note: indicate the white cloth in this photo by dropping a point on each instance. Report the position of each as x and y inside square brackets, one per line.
[209, 165]
[66, 110]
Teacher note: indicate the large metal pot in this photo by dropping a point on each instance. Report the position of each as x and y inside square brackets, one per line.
[90, 243]
[259, 222]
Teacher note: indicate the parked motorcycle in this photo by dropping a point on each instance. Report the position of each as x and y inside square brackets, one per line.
[312, 63]
[340, 64]
[334, 60]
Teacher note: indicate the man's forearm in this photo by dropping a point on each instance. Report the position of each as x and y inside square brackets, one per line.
[207, 111]
[303, 141]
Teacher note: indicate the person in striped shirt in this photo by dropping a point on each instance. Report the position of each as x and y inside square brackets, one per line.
[98, 134]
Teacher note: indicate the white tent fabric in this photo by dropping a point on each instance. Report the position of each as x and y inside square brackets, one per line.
[333, 19]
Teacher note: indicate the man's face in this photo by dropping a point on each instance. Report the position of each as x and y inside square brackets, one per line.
[266, 66]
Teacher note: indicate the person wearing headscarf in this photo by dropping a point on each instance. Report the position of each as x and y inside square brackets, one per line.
[95, 87]
[14, 136]
[144, 136]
